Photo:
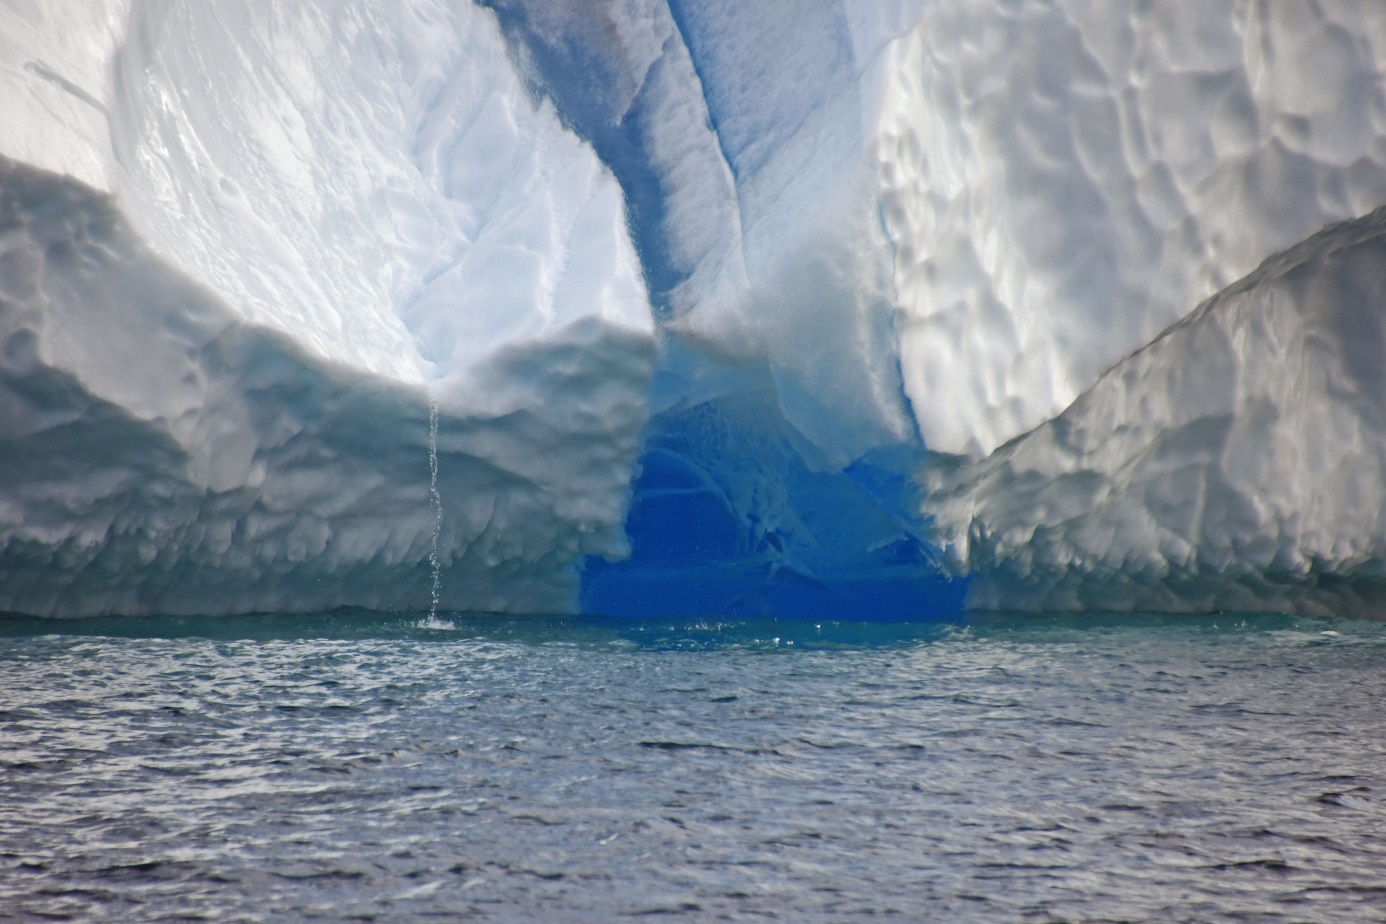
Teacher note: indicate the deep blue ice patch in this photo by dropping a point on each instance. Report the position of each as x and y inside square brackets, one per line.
[728, 518]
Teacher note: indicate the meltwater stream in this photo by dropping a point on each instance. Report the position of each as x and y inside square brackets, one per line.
[345, 767]
[435, 500]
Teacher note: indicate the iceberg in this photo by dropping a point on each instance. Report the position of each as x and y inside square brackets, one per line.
[637, 307]
[240, 267]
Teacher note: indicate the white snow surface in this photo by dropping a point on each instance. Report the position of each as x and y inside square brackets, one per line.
[1236, 463]
[245, 246]
[55, 60]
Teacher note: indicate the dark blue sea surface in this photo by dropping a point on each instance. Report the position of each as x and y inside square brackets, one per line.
[359, 767]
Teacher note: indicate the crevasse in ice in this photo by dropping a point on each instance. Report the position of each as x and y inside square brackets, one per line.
[725, 307]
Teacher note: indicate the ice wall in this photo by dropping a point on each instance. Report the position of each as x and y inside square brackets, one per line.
[739, 133]
[1058, 182]
[245, 246]
[1064, 180]
[724, 271]
[1238, 462]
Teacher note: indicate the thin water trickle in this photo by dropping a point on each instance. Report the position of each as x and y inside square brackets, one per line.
[436, 500]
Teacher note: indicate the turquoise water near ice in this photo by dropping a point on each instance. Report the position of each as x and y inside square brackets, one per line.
[362, 767]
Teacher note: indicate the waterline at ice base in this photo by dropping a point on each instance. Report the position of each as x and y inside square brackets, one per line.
[888, 309]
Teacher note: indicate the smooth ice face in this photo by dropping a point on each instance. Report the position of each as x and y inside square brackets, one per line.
[1238, 462]
[321, 218]
[55, 60]
[1062, 181]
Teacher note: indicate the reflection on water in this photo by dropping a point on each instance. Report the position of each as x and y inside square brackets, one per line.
[405, 767]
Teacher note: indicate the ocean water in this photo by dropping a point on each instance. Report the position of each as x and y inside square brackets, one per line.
[360, 767]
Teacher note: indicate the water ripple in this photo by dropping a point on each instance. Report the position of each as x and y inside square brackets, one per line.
[1129, 769]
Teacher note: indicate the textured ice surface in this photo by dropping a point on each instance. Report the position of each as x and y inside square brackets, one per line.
[1237, 462]
[1059, 181]
[788, 246]
[741, 133]
[304, 223]
[780, 452]
[1064, 180]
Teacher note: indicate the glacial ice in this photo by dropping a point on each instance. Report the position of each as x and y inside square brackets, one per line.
[778, 414]
[1238, 462]
[240, 256]
[1062, 181]
[699, 289]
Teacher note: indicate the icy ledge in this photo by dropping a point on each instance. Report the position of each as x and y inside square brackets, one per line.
[226, 469]
[244, 251]
[1237, 462]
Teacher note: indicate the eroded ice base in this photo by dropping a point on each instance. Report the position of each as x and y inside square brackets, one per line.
[164, 456]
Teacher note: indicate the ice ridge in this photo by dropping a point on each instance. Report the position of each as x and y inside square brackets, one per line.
[1235, 463]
